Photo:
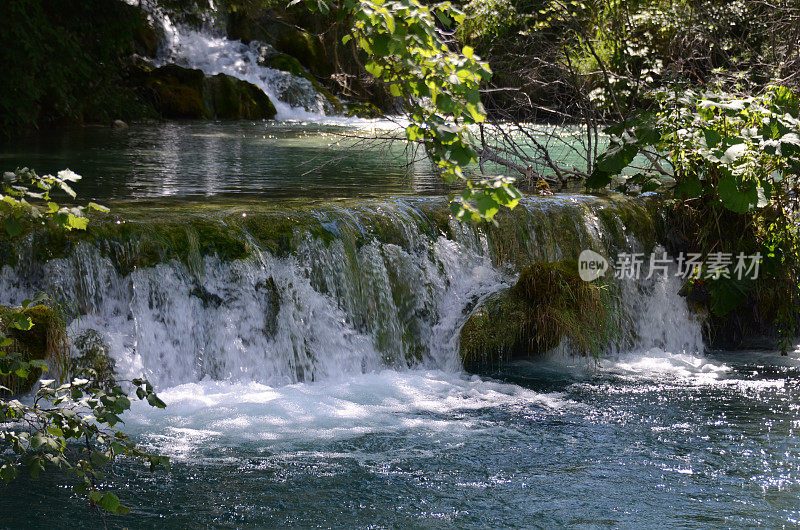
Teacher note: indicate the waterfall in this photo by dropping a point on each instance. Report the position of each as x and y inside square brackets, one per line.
[208, 49]
[277, 297]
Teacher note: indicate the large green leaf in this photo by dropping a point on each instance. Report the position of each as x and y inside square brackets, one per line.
[689, 187]
[727, 294]
[739, 197]
[617, 157]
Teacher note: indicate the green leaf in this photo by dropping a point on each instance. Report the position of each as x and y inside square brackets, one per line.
[487, 206]
[689, 187]
[727, 294]
[711, 137]
[785, 101]
[154, 401]
[78, 223]
[617, 158]
[98, 207]
[461, 154]
[13, 226]
[736, 196]
[598, 179]
[651, 185]
[647, 135]
[21, 322]
[380, 44]
[109, 502]
[733, 152]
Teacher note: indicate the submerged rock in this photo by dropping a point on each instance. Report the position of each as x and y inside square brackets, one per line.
[179, 92]
[550, 303]
[46, 340]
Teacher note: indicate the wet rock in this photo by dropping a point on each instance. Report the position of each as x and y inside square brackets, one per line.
[119, 124]
[146, 38]
[286, 63]
[92, 359]
[179, 92]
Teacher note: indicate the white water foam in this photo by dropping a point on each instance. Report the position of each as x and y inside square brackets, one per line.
[668, 341]
[431, 401]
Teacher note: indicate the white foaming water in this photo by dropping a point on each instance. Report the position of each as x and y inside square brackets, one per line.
[332, 340]
[668, 338]
[207, 49]
[213, 412]
[327, 313]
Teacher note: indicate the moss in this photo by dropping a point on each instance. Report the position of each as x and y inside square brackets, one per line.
[274, 233]
[233, 99]
[307, 48]
[548, 304]
[141, 244]
[364, 110]
[493, 333]
[179, 92]
[46, 340]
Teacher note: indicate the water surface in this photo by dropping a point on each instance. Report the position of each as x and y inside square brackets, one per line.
[192, 159]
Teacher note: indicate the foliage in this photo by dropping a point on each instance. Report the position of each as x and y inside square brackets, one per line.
[732, 164]
[72, 426]
[65, 60]
[21, 186]
[44, 337]
[406, 48]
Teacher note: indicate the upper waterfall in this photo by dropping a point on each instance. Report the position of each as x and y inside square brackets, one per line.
[208, 49]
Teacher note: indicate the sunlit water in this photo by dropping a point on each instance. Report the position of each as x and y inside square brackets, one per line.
[636, 442]
[313, 426]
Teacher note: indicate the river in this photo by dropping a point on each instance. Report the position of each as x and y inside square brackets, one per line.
[310, 363]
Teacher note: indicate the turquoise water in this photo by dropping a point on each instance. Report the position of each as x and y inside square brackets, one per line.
[213, 159]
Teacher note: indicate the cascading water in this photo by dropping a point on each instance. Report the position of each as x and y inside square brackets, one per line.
[352, 291]
[208, 49]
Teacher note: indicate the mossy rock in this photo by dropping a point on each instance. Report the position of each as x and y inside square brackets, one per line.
[493, 333]
[92, 359]
[548, 304]
[46, 340]
[307, 48]
[234, 99]
[364, 110]
[146, 38]
[179, 92]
